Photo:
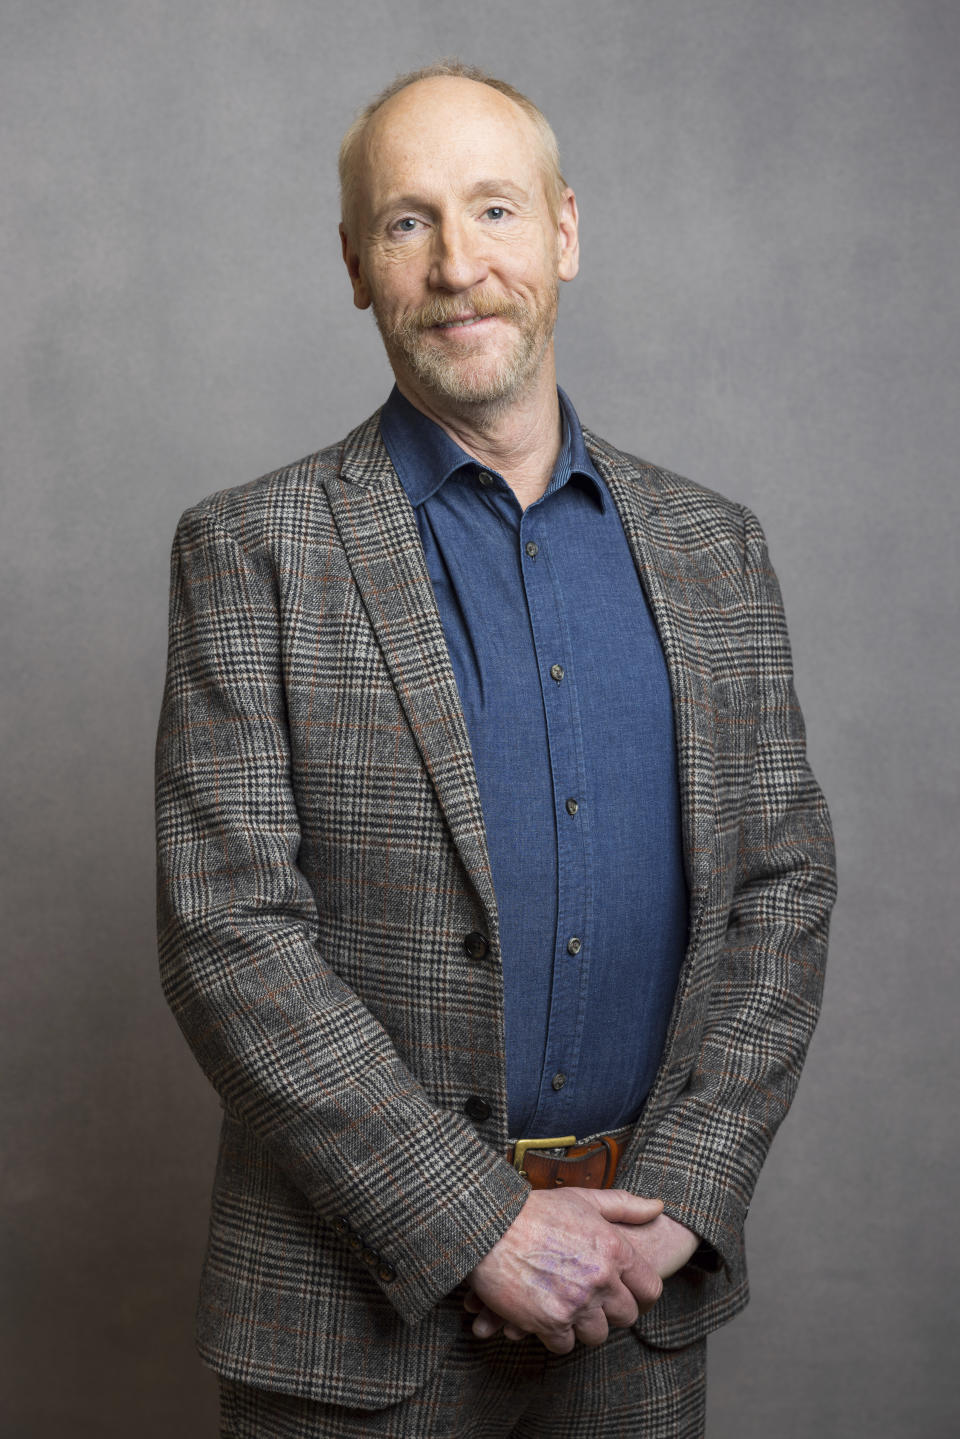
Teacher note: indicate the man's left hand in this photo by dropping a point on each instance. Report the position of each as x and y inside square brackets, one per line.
[663, 1243]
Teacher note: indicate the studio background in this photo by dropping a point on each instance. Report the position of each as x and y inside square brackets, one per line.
[768, 303]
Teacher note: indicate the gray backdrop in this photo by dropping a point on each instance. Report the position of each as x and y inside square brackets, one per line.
[768, 302]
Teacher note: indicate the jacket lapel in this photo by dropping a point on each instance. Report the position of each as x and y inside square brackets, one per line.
[379, 534]
[667, 571]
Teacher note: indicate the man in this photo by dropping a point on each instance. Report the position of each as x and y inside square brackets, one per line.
[484, 818]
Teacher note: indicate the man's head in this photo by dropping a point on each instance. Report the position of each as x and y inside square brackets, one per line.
[350, 161]
[457, 226]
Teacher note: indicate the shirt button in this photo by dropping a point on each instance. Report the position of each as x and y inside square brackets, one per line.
[574, 945]
[476, 1108]
[475, 944]
[556, 673]
[572, 806]
[485, 478]
[558, 1081]
[531, 548]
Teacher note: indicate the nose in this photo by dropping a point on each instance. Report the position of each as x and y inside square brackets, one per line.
[458, 261]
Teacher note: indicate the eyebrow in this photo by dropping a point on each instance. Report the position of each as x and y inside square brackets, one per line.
[498, 187]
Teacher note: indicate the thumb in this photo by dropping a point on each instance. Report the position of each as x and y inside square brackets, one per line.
[619, 1207]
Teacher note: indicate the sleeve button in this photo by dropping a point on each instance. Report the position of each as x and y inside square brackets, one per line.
[476, 1108]
[340, 1225]
[386, 1274]
[371, 1257]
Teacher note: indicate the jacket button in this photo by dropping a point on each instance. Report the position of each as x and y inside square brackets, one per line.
[386, 1274]
[476, 1108]
[475, 944]
[371, 1257]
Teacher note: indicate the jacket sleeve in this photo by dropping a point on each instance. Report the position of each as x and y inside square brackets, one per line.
[290, 1048]
[704, 1156]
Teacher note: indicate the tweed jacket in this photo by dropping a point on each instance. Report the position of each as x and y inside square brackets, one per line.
[322, 859]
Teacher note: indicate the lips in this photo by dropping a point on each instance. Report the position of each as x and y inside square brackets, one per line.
[462, 323]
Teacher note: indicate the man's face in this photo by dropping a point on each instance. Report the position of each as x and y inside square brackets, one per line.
[455, 245]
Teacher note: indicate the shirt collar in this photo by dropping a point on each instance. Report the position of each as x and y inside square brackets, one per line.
[424, 455]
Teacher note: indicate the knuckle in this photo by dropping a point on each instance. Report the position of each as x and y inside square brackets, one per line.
[557, 1317]
[612, 1247]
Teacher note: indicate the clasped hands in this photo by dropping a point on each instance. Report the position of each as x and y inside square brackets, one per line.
[575, 1264]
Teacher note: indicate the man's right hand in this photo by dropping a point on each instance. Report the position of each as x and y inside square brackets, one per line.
[564, 1272]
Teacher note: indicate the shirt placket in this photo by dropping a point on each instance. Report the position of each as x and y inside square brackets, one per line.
[543, 586]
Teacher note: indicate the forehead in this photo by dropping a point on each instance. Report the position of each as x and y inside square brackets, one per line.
[443, 131]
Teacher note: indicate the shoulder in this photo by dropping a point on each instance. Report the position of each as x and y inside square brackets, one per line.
[679, 510]
[287, 504]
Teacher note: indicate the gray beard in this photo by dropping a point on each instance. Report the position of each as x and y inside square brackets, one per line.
[453, 382]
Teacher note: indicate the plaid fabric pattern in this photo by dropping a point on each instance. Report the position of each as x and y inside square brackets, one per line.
[492, 1389]
[322, 859]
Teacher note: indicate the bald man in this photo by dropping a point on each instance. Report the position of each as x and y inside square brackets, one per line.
[494, 884]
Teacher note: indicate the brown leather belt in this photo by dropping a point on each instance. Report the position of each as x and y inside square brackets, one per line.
[590, 1165]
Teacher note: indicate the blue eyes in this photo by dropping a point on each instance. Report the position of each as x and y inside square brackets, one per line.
[407, 224]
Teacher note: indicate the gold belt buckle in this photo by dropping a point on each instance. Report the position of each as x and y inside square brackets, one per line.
[522, 1145]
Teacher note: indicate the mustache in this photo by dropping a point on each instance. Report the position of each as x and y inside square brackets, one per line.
[443, 308]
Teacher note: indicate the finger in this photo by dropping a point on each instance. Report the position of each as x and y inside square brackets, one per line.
[621, 1308]
[472, 1303]
[644, 1284]
[559, 1341]
[486, 1324]
[514, 1332]
[619, 1207]
[591, 1328]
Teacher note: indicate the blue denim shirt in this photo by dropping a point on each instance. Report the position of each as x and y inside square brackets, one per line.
[567, 703]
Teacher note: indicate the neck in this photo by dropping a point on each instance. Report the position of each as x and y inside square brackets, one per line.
[520, 439]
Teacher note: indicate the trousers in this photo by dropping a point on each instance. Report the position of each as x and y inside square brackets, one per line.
[499, 1389]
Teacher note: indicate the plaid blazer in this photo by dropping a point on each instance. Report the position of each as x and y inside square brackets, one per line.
[322, 859]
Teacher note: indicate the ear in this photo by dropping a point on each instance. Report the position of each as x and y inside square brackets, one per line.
[568, 237]
[361, 295]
